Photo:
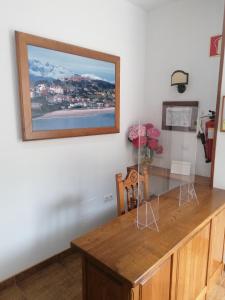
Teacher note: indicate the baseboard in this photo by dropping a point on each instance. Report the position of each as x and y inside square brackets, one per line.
[30, 271]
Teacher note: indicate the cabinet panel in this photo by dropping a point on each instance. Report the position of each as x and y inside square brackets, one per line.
[216, 243]
[192, 266]
[158, 286]
[135, 292]
[202, 295]
[100, 286]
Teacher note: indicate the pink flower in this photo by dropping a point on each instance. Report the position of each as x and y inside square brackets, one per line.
[159, 149]
[153, 133]
[148, 125]
[153, 144]
[135, 131]
[139, 141]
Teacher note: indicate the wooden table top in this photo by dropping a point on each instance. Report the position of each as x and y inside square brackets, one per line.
[132, 254]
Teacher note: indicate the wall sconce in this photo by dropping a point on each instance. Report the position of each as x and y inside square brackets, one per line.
[180, 78]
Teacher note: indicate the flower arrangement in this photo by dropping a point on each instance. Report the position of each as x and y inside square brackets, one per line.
[145, 137]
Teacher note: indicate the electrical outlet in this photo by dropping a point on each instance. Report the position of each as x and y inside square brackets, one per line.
[108, 198]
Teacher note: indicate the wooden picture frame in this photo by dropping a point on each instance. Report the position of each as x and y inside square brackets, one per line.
[59, 100]
[222, 126]
[180, 115]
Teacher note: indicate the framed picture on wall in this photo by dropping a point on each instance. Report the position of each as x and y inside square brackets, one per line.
[222, 128]
[180, 115]
[66, 90]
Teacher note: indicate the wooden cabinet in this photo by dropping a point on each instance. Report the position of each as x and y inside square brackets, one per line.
[192, 266]
[100, 285]
[186, 275]
[158, 286]
[180, 262]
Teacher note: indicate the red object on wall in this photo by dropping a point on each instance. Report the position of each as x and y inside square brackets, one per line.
[215, 45]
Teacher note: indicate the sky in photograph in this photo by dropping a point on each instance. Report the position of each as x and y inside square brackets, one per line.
[77, 64]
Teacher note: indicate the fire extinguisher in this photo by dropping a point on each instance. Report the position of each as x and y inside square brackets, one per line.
[207, 135]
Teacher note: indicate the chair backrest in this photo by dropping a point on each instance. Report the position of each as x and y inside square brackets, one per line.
[129, 187]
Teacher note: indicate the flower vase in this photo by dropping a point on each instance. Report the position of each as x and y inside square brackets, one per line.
[146, 156]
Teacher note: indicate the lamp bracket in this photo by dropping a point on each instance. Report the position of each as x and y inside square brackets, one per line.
[181, 79]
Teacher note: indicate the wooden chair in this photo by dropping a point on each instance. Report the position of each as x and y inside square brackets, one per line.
[129, 187]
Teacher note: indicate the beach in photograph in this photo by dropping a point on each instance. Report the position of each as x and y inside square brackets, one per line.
[76, 113]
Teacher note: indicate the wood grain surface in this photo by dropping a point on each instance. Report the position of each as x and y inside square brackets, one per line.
[192, 266]
[131, 254]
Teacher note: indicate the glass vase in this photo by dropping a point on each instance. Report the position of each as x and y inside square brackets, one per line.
[146, 156]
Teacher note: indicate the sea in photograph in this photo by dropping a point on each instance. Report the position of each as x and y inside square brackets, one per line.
[97, 120]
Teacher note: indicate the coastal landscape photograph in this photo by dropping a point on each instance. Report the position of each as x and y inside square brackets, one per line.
[69, 91]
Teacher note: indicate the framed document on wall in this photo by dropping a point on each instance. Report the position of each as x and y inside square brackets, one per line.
[180, 115]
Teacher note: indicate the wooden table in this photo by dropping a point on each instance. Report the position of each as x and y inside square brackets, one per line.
[181, 262]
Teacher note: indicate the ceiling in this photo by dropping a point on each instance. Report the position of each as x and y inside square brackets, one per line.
[150, 4]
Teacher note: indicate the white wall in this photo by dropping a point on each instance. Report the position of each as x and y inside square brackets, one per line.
[178, 38]
[53, 190]
[219, 171]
